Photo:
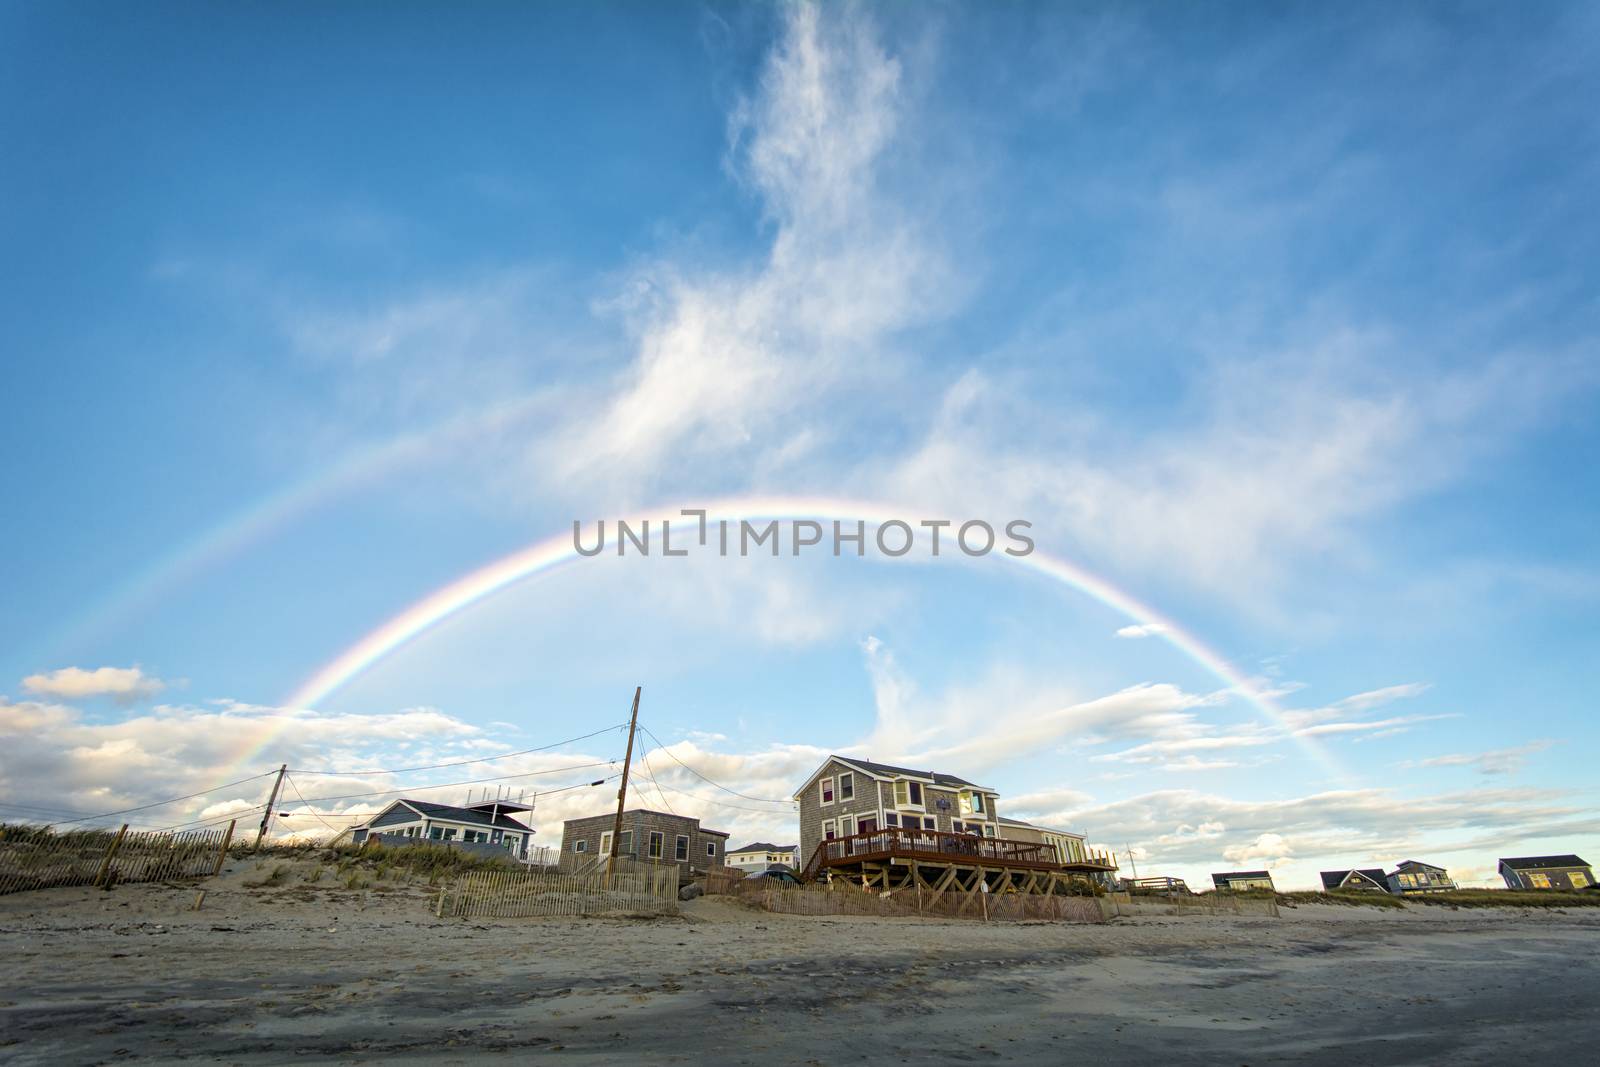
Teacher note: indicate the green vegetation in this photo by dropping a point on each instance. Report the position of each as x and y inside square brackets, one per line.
[1351, 897]
[403, 863]
[279, 875]
[1509, 898]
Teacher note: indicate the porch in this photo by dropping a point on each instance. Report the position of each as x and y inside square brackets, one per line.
[893, 857]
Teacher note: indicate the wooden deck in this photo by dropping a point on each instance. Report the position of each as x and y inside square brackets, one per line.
[895, 855]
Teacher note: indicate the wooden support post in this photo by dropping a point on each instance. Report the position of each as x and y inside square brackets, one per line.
[105, 861]
[222, 853]
[198, 900]
[622, 792]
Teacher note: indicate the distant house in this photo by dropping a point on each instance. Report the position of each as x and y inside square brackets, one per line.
[1239, 881]
[648, 837]
[1365, 879]
[1414, 877]
[1160, 883]
[762, 856]
[1547, 872]
[488, 825]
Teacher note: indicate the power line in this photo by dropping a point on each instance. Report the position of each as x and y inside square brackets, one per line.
[463, 763]
[475, 781]
[703, 778]
[724, 803]
[645, 759]
[319, 818]
[164, 803]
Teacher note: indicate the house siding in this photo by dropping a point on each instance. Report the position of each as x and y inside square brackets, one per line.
[1560, 877]
[642, 823]
[875, 798]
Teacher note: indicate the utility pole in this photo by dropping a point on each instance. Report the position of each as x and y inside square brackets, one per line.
[622, 793]
[1134, 865]
[272, 802]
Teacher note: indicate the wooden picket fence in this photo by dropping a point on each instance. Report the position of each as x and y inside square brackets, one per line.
[632, 889]
[33, 857]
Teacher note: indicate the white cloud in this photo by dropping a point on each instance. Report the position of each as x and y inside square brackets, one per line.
[1146, 629]
[126, 684]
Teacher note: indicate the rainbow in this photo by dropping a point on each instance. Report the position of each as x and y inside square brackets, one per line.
[552, 554]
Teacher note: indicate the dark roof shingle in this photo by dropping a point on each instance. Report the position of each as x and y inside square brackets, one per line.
[1536, 863]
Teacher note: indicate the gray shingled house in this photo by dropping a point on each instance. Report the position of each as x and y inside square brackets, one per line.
[1413, 876]
[647, 836]
[1547, 872]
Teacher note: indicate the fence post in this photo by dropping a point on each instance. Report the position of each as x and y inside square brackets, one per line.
[222, 853]
[105, 863]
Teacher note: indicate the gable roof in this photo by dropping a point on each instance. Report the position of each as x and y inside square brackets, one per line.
[1538, 863]
[1228, 876]
[451, 813]
[1418, 863]
[1336, 879]
[889, 770]
[763, 846]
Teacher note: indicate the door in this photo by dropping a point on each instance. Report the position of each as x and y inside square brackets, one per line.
[866, 824]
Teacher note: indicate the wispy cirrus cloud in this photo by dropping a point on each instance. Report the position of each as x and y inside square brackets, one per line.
[1494, 761]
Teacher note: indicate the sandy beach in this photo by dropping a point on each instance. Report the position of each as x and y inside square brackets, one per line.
[316, 972]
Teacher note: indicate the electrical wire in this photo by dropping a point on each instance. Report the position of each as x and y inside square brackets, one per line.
[319, 818]
[703, 778]
[475, 781]
[164, 803]
[645, 759]
[723, 803]
[463, 763]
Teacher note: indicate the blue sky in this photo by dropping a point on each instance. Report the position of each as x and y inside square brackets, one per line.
[1280, 319]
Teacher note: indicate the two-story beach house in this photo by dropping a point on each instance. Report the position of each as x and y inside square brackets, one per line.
[764, 856]
[648, 837]
[896, 826]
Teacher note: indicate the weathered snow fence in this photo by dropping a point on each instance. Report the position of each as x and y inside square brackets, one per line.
[634, 889]
[32, 857]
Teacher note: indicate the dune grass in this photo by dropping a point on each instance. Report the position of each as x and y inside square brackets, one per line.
[1347, 897]
[1509, 898]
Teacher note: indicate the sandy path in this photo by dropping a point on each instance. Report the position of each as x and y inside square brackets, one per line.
[264, 976]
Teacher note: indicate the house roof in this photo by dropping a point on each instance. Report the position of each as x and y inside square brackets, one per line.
[763, 846]
[1335, 879]
[1539, 863]
[889, 770]
[451, 813]
[1418, 863]
[1228, 876]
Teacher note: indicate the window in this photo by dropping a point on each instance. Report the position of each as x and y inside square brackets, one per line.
[435, 834]
[847, 826]
[988, 831]
[827, 790]
[847, 786]
[930, 823]
[1539, 880]
[580, 845]
[625, 843]
[891, 819]
[902, 794]
[916, 793]
[681, 851]
[450, 834]
[958, 827]
[827, 829]
[977, 803]
[711, 848]
[657, 840]
[1578, 879]
[605, 842]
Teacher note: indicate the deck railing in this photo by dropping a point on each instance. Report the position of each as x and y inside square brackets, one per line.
[932, 845]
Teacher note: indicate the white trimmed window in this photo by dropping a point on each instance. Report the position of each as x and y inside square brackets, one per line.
[625, 843]
[711, 848]
[930, 823]
[657, 841]
[891, 819]
[605, 842]
[681, 849]
[826, 788]
[580, 845]
[847, 786]
[847, 825]
[827, 829]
